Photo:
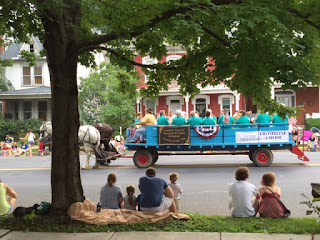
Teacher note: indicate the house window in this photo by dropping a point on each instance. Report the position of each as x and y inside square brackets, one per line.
[1, 107]
[38, 75]
[201, 107]
[150, 104]
[287, 98]
[170, 59]
[173, 57]
[42, 111]
[175, 105]
[26, 110]
[31, 48]
[226, 103]
[148, 61]
[32, 76]
[26, 76]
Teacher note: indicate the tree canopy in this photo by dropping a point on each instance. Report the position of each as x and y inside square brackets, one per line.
[107, 95]
[252, 44]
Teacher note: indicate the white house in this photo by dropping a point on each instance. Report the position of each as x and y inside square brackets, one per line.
[31, 97]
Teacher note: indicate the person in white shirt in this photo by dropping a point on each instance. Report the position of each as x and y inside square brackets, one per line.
[31, 137]
[176, 188]
[244, 195]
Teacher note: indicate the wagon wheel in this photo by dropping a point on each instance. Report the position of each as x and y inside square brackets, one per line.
[262, 157]
[155, 156]
[101, 158]
[143, 159]
[112, 149]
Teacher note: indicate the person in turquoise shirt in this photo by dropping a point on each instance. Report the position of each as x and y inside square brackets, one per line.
[263, 118]
[243, 119]
[162, 120]
[277, 119]
[178, 120]
[208, 120]
[139, 116]
[193, 120]
[220, 119]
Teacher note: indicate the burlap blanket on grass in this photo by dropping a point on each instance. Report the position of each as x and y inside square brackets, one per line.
[87, 212]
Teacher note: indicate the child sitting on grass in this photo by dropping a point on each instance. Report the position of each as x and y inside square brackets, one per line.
[130, 200]
[176, 188]
[16, 151]
[6, 149]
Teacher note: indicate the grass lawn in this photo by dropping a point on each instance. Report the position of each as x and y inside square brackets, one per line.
[197, 223]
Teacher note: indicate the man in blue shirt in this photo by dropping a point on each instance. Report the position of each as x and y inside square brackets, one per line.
[162, 120]
[156, 195]
[277, 119]
[178, 120]
[263, 118]
[193, 120]
[208, 120]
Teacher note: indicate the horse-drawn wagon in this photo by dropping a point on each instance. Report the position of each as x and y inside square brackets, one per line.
[96, 138]
[254, 140]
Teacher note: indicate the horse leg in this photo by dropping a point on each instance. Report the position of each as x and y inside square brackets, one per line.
[87, 151]
[96, 165]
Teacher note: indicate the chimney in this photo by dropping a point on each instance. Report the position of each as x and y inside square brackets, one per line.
[1, 45]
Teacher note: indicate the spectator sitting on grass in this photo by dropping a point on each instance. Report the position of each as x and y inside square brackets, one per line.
[156, 195]
[6, 149]
[244, 195]
[8, 140]
[7, 205]
[16, 151]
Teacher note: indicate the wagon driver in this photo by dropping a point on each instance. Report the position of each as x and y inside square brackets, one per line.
[147, 120]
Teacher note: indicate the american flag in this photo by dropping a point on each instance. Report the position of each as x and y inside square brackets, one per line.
[292, 121]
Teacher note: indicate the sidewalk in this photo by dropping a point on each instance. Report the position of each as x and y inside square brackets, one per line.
[8, 235]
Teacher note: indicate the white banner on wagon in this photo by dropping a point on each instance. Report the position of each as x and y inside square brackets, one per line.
[262, 136]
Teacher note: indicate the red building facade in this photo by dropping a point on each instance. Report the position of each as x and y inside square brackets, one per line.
[219, 97]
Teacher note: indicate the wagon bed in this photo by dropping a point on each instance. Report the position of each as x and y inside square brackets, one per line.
[254, 140]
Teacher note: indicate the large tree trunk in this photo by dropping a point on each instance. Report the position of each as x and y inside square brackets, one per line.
[62, 61]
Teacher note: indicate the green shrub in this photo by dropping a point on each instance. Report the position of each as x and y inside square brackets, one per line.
[18, 128]
[312, 122]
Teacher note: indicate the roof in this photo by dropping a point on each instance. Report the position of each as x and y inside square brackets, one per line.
[27, 92]
[14, 49]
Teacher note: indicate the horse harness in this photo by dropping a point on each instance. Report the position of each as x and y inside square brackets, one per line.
[85, 134]
[49, 135]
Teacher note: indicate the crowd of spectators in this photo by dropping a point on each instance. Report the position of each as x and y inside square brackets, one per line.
[179, 118]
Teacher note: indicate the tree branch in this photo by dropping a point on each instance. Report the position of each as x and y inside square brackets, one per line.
[141, 29]
[214, 35]
[225, 2]
[304, 17]
[118, 55]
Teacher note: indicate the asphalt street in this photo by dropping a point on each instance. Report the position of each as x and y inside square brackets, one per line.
[204, 179]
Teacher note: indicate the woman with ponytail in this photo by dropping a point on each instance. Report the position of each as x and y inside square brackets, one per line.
[111, 194]
[130, 200]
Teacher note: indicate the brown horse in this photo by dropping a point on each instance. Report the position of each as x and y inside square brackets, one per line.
[106, 132]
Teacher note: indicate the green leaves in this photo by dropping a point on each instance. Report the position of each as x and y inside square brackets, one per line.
[310, 203]
[29, 57]
[108, 96]
[254, 44]
[5, 85]
[309, 212]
